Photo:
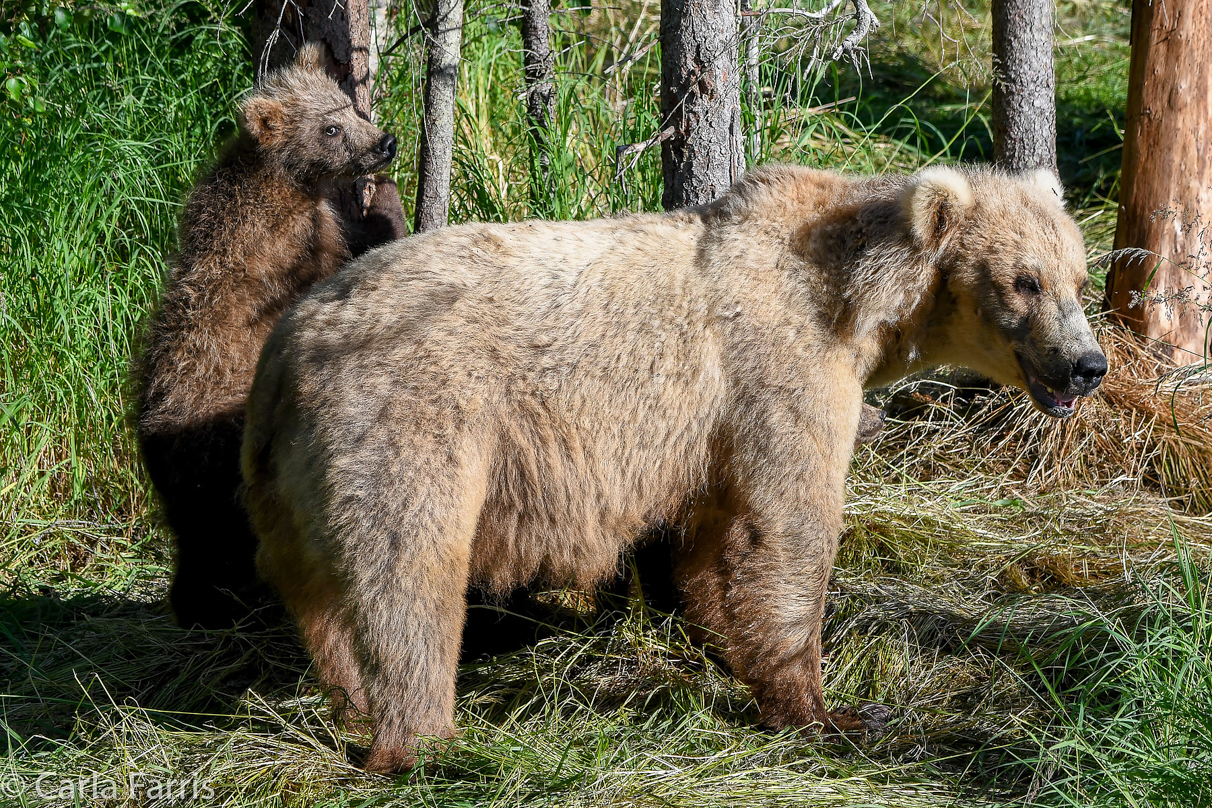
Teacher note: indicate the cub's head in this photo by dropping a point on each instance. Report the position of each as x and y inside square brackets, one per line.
[1014, 270]
[300, 117]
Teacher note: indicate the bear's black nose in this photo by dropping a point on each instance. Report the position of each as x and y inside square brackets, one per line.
[387, 146]
[1089, 370]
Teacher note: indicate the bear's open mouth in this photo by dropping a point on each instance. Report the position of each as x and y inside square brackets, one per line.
[1051, 402]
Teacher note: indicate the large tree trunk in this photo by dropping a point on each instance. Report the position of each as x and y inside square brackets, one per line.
[368, 207]
[539, 67]
[700, 100]
[1024, 85]
[443, 40]
[1165, 204]
[344, 27]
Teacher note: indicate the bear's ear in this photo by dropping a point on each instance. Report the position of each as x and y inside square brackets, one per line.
[935, 202]
[312, 56]
[1044, 181]
[262, 118]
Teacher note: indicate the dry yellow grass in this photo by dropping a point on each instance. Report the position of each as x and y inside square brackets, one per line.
[1144, 428]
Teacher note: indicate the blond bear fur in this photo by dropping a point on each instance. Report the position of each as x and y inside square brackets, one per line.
[489, 404]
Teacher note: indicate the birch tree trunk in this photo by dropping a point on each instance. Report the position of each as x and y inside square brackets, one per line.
[443, 41]
[1024, 85]
[539, 68]
[700, 101]
[369, 207]
[1165, 205]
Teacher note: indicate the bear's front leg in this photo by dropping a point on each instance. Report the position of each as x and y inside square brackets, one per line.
[755, 568]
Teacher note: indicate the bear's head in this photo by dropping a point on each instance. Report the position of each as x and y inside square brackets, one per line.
[1013, 271]
[300, 118]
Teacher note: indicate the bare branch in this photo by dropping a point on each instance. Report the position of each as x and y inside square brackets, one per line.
[411, 32]
[634, 150]
[865, 22]
[626, 60]
[821, 31]
[798, 12]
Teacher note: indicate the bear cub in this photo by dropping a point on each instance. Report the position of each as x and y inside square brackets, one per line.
[257, 231]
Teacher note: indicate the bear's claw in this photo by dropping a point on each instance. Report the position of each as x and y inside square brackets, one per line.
[866, 722]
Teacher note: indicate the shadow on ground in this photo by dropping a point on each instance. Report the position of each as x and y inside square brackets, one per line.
[67, 658]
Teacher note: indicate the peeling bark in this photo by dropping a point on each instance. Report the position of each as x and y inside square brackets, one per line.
[278, 32]
[1165, 205]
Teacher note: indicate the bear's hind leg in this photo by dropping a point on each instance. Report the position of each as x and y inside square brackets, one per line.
[313, 595]
[328, 634]
[755, 567]
[407, 596]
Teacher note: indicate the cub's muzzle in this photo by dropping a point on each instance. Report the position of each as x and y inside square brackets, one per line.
[387, 147]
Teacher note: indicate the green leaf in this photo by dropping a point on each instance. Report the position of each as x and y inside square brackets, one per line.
[118, 23]
[15, 87]
[26, 41]
[63, 18]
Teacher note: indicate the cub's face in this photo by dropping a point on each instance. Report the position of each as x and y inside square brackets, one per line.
[301, 118]
[1016, 269]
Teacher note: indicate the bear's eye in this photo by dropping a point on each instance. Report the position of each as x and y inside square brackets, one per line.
[1025, 284]
[333, 131]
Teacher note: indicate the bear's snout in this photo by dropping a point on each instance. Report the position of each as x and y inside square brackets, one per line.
[1088, 372]
[1056, 385]
[387, 147]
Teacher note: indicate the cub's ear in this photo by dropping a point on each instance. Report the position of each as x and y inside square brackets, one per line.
[312, 56]
[936, 201]
[1045, 182]
[262, 118]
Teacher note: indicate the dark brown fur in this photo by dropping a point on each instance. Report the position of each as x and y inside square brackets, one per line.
[256, 232]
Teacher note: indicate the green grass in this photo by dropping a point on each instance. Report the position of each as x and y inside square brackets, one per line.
[1133, 685]
[1037, 644]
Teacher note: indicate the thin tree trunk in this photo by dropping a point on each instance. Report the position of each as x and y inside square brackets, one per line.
[1024, 85]
[443, 41]
[751, 28]
[368, 207]
[1165, 204]
[539, 67]
[700, 100]
[381, 33]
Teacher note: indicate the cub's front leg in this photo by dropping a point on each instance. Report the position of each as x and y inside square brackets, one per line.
[755, 568]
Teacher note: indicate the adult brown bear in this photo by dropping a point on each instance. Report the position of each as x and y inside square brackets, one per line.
[257, 231]
[493, 403]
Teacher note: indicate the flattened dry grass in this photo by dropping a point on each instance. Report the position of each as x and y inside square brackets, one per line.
[978, 664]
